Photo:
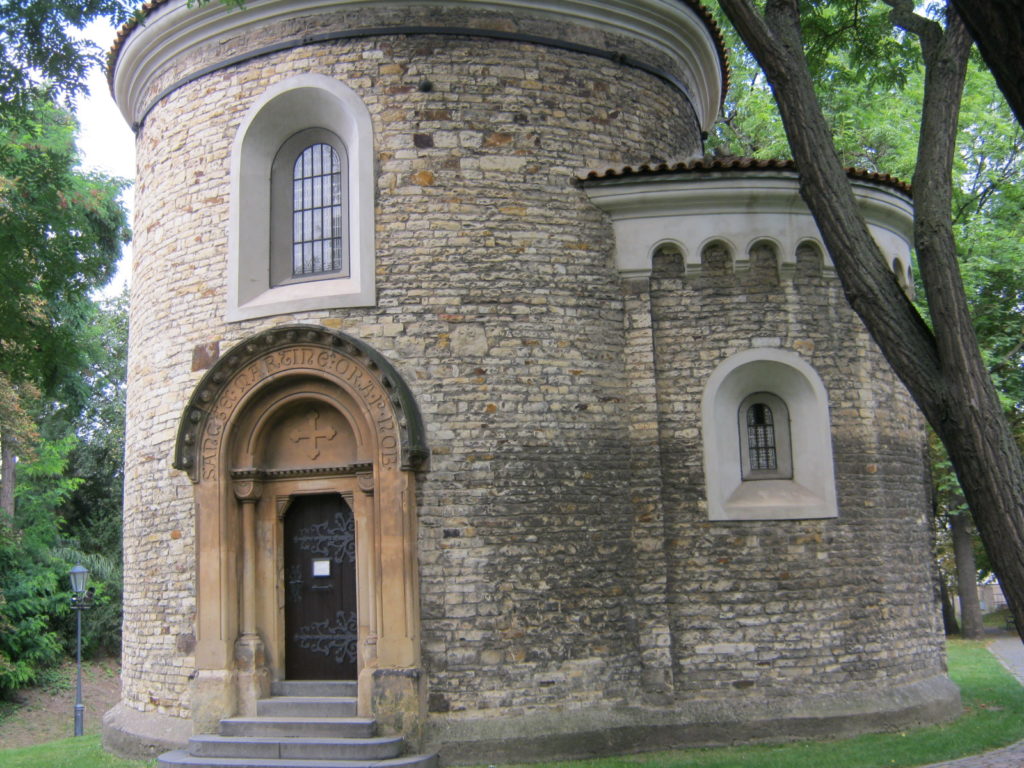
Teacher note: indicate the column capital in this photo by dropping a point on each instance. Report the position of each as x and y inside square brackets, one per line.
[247, 484]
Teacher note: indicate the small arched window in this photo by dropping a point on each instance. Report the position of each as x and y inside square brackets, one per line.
[764, 438]
[309, 228]
[761, 438]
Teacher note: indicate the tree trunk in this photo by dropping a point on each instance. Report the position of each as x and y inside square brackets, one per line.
[949, 625]
[943, 371]
[7, 460]
[966, 576]
[997, 26]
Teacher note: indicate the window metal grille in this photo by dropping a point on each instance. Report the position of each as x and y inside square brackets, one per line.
[317, 212]
[761, 438]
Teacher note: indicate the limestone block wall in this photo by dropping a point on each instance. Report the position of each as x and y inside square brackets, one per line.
[781, 610]
[498, 303]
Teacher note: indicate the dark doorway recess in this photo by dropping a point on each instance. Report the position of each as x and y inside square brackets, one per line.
[321, 624]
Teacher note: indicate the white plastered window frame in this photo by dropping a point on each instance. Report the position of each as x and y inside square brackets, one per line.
[296, 104]
[810, 492]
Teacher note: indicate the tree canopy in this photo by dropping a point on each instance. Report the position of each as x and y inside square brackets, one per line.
[40, 47]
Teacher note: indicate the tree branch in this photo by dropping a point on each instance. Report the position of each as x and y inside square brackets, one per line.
[929, 32]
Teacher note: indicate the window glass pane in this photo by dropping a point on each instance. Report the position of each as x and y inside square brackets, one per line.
[317, 212]
[336, 250]
[336, 219]
[761, 438]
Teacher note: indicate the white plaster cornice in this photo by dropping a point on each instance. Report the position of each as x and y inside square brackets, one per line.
[172, 30]
[740, 208]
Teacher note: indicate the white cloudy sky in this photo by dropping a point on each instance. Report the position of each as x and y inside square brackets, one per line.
[105, 141]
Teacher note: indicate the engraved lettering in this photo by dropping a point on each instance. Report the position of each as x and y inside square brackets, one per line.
[364, 385]
[272, 362]
[388, 449]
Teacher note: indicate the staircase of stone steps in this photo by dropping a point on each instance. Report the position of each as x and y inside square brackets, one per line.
[304, 724]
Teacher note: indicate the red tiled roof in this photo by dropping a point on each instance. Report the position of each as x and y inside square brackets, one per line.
[706, 164]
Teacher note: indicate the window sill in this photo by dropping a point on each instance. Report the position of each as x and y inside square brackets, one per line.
[304, 297]
[773, 500]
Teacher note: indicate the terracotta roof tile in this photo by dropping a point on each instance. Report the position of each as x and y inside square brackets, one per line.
[731, 163]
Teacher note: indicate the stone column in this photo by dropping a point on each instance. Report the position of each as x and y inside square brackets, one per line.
[250, 657]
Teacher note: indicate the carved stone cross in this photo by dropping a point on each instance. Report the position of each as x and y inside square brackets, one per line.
[309, 432]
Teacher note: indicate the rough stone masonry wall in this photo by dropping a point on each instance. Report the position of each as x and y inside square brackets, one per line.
[781, 610]
[497, 301]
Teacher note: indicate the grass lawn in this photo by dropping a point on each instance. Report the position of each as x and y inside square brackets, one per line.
[81, 752]
[993, 717]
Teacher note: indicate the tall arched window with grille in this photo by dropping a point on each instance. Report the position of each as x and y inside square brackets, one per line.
[764, 438]
[309, 228]
[761, 438]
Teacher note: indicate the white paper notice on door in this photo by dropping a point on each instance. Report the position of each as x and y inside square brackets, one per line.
[321, 567]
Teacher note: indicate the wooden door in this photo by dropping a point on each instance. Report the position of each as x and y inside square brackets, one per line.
[320, 589]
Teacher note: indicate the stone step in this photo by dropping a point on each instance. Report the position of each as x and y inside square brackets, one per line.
[182, 758]
[375, 748]
[297, 727]
[336, 688]
[306, 706]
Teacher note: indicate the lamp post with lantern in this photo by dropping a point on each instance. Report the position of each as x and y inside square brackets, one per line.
[80, 600]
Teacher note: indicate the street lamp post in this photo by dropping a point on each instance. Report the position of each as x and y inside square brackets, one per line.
[79, 602]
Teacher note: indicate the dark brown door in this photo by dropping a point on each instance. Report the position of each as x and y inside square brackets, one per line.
[320, 589]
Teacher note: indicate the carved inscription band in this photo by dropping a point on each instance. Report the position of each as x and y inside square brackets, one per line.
[335, 365]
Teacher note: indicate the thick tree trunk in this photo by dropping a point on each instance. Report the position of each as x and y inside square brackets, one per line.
[943, 371]
[949, 625]
[7, 460]
[997, 26]
[966, 576]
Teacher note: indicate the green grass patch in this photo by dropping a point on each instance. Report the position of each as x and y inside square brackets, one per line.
[76, 752]
[993, 717]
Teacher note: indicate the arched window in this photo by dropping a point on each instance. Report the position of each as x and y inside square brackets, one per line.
[767, 439]
[764, 438]
[305, 240]
[308, 229]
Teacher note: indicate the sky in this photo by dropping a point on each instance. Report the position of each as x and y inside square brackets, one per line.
[105, 141]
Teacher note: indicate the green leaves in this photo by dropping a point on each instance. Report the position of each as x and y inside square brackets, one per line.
[61, 232]
[39, 46]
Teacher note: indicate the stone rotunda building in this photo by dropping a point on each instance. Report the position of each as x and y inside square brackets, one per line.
[458, 380]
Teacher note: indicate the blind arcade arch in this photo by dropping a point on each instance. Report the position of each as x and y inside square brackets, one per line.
[292, 412]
